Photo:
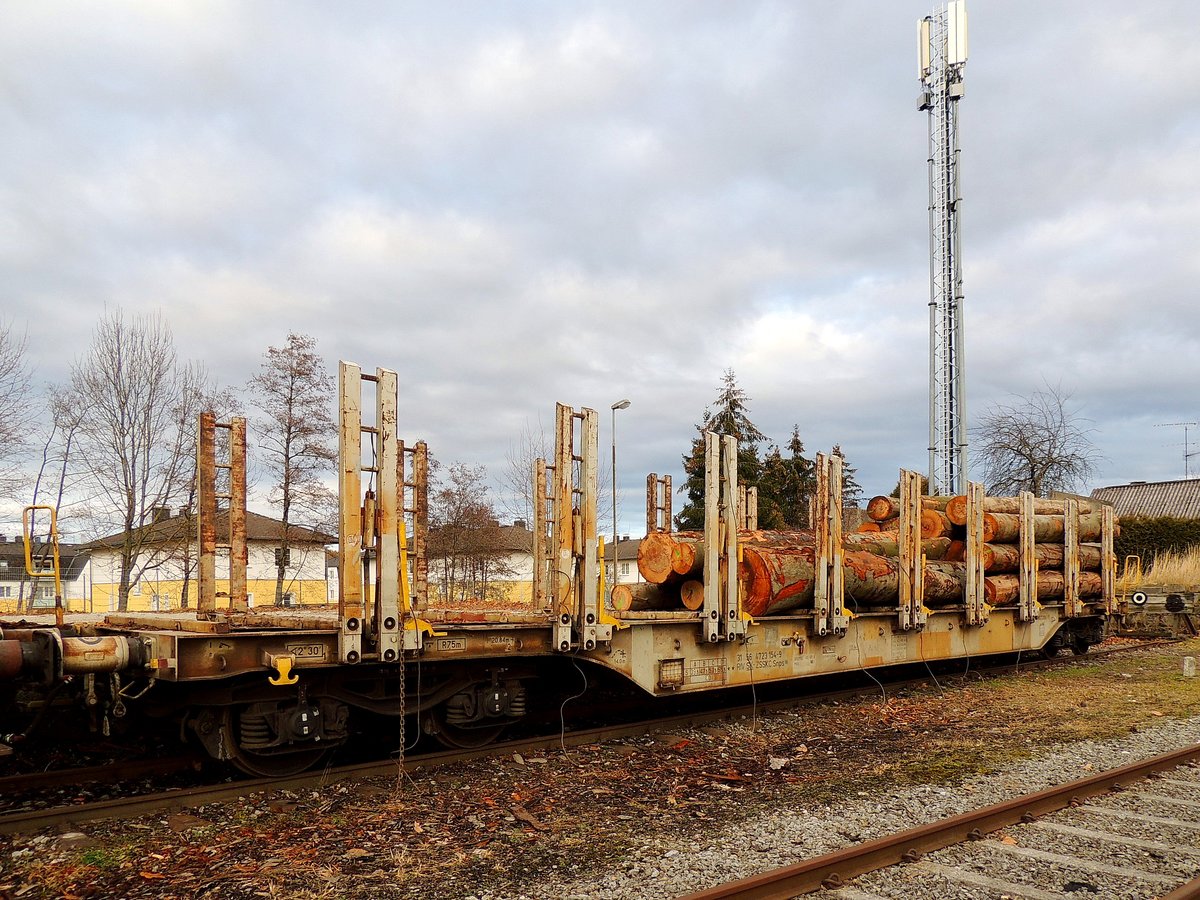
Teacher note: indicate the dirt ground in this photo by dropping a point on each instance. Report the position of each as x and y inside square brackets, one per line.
[492, 825]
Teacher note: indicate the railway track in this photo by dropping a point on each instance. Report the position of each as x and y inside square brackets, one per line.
[1121, 833]
[28, 820]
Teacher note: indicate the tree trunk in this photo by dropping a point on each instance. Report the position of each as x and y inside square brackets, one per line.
[1007, 557]
[886, 545]
[780, 579]
[1005, 590]
[956, 509]
[642, 596]
[1005, 528]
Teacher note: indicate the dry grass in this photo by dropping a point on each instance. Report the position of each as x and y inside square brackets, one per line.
[1173, 568]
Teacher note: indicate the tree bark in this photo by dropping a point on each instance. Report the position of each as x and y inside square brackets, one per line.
[1007, 557]
[1005, 590]
[1005, 528]
[642, 596]
[956, 509]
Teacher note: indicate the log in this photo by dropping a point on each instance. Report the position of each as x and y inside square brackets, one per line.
[691, 593]
[934, 524]
[1007, 557]
[1005, 590]
[956, 509]
[887, 545]
[779, 580]
[639, 596]
[875, 580]
[867, 528]
[661, 556]
[882, 508]
[655, 557]
[685, 559]
[776, 580]
[1005, 528]
[956, 552]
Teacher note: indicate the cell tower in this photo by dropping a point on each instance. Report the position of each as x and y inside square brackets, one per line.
[942, 54]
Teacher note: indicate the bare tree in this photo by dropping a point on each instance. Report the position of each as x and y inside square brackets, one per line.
[1035, 443]
[140, 403]
[14, 404]
[466, 543]
[294, 393]
[516, 482]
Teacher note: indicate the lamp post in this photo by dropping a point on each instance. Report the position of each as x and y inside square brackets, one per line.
[620, 404]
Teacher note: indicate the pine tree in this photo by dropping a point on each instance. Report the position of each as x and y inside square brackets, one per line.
[727, 415]
[785, 486]
[851, 489]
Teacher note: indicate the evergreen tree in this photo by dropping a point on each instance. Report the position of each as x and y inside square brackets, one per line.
[851, 489]
[727, 415]
[785, 486]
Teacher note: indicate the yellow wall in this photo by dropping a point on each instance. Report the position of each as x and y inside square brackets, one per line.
[308, 593]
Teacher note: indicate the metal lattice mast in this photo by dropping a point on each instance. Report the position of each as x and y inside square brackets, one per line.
[942, 52]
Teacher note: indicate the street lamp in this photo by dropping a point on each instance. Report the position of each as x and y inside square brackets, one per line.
[620, 404]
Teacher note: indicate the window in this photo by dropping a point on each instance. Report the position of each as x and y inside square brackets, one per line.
[46, 591]
[289, 599]
[249, 598]
[624, 568]
[6, 590]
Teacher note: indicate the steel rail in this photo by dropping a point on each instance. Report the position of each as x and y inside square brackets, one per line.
[832, 870]
[24, 821]
[111, 773]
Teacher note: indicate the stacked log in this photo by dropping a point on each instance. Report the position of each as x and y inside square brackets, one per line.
[777, 569]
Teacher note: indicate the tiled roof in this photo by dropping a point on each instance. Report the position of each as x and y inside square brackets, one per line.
[1153, 498]
[258, 528]
[12, 552]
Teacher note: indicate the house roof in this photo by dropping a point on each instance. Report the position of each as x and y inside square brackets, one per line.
[71, 559]
[258, 528]
[1153, 498]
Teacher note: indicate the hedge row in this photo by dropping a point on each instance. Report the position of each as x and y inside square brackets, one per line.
[1146, 537]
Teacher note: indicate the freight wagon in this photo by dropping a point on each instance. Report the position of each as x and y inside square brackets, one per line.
[726, 606]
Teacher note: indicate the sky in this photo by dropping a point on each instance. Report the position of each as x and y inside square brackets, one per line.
[521, 203]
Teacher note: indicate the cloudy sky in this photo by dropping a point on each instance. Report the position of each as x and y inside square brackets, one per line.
[518, 203]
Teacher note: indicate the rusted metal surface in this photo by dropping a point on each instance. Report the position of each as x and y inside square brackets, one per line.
[350, 537]
[841, 865]
[11, 658]
[109, 653]
[563, 543]
[238, 550]
[712, 536]
[206, 518]
[973, 588]
[420, 530]
[1108, 558]
[1027, 591]
[541, 555]
[911, 581]
[658, 503]
[388, 596]
[1072, 559]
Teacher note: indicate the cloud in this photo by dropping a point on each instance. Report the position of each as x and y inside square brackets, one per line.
[512, 205]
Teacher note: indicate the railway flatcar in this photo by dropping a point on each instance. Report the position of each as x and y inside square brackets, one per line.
[726, 606]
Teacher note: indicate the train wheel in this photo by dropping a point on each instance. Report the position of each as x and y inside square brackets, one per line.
[264, 765]
[460, 737]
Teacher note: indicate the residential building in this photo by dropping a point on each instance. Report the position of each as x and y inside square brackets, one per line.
[1180, 499]
[19, 592]
[166, 568]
